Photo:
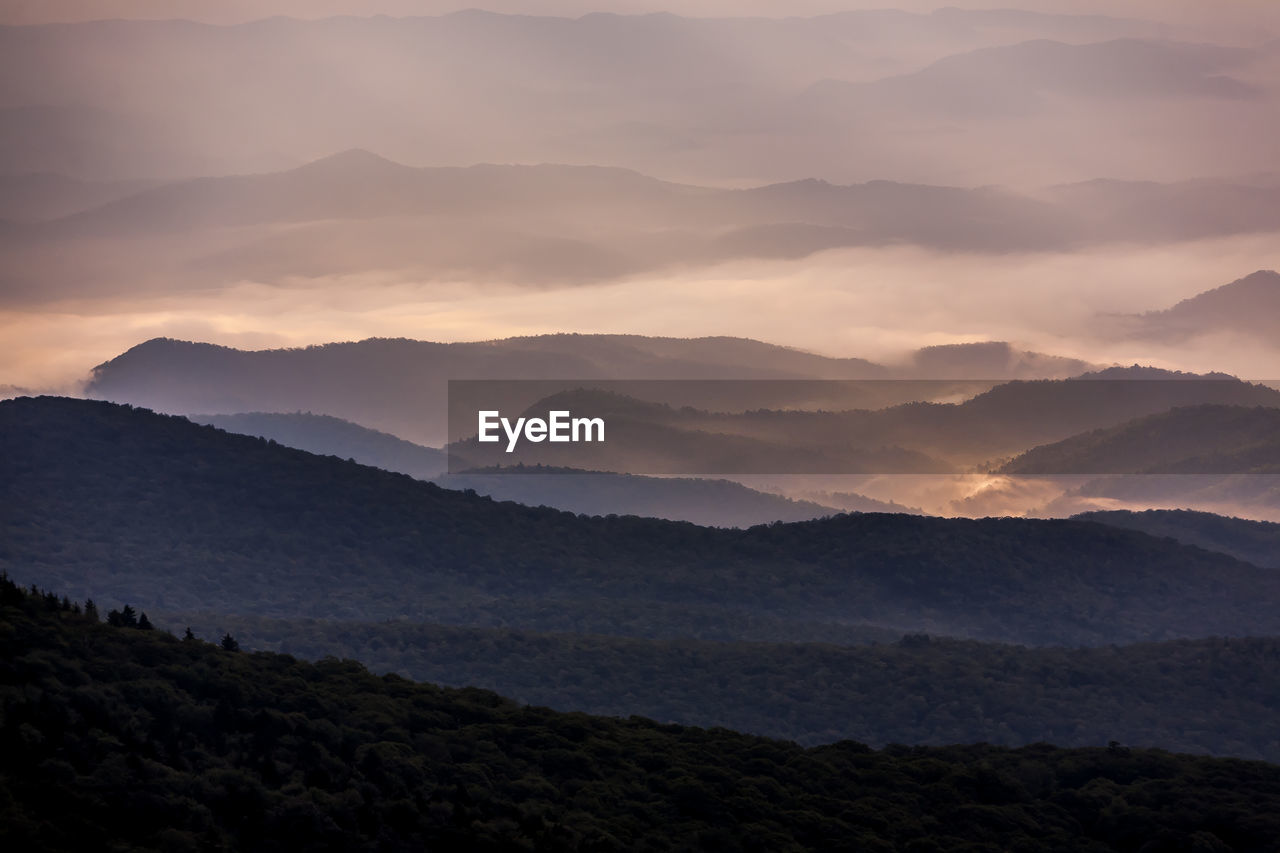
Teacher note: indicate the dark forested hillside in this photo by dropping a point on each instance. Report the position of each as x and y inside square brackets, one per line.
[330, 436]
[913, 689]
[159, 744]
[1256, 542]
[127, 505]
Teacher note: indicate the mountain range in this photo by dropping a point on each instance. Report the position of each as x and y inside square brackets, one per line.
[1205, 439]
[719, 503]
[588, 90]
[94, 492]
[910, 438]
[355, 212]
[400, 386]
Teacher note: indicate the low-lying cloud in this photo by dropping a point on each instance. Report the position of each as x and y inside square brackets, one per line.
[878, 303]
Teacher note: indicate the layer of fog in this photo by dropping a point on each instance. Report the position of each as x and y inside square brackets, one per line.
[1255, 496]
[877, 303]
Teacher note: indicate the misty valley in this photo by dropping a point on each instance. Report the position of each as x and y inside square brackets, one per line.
[571, 427]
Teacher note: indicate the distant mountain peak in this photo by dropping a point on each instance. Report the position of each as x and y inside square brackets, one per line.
[1249, 305]
[1262, 282]
[1258, 291]
[352, 159]
[1138, 371]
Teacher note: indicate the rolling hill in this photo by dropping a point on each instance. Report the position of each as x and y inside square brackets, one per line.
[124, 504]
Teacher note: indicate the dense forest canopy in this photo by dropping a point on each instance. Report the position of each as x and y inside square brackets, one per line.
[1213, 695]
[148, 742]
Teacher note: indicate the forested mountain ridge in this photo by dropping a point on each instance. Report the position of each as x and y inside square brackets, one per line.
[1256, 542]
[912, 689]
[128, 505]
[162, 744]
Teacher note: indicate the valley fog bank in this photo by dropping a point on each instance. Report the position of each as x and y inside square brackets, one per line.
[877, 303]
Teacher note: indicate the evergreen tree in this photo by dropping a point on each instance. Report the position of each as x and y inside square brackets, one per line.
[90, 610]
[229, 643]
[144, 623]
[188, 637]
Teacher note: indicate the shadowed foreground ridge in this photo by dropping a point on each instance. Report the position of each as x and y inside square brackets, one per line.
[166, 744]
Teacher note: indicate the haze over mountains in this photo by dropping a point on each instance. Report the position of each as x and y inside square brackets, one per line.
[400, 386]
[355, 212]
[588, 91]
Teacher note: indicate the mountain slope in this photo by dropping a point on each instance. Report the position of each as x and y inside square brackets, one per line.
[330, 436]
[707, 502]
[358, 184]
[914, 689]
[719, 503]
[1250, 305]
[1020, 79]
[1256, 542]
[915, 437]
[161, 744]
[127, 505]
[400, 386]
[1185, 440]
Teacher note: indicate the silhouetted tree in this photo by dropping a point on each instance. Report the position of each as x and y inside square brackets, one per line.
[144, 623]
[91, 609]
[188, 637]
[229, 643]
